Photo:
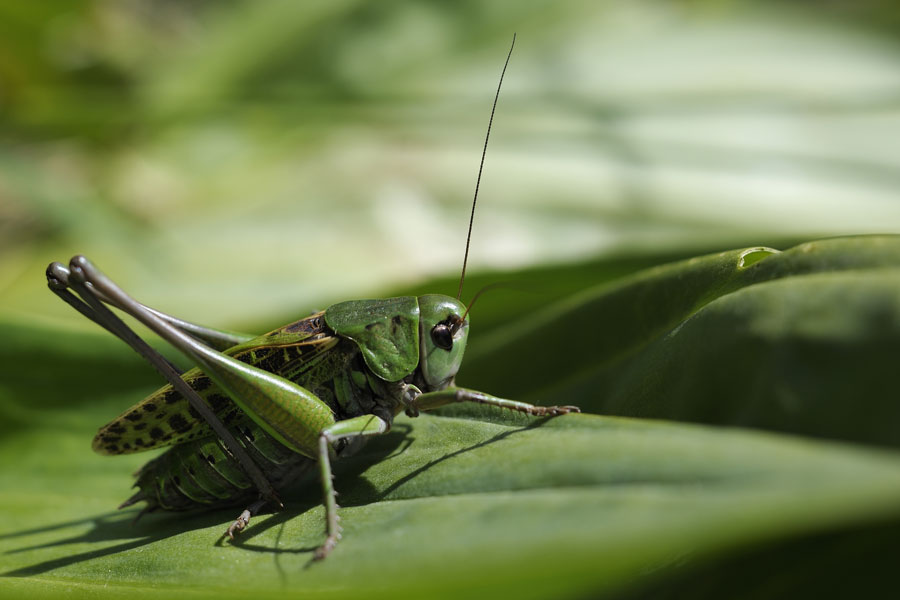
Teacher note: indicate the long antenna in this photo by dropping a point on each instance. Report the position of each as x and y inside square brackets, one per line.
[462, 276]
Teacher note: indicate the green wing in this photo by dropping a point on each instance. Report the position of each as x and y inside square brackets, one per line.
[303, 352]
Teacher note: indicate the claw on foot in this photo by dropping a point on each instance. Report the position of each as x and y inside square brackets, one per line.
[242, 521]
[556, 410]
[326, 548]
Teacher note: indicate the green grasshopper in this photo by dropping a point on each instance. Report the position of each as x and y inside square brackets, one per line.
[257, 412]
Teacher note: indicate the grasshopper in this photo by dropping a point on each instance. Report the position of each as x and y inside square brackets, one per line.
[257, 412]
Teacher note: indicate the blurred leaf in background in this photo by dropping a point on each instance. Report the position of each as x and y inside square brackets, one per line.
[326, 151]
[242, 163]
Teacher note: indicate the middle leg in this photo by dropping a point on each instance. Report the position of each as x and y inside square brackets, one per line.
[365, 425]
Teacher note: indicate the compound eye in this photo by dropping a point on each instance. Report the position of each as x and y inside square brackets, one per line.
[442, 336]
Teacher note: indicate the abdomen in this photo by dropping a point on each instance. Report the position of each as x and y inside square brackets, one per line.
[203, 474]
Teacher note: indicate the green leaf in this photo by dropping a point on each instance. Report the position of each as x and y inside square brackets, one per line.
[505, 504]
[801, 341]
[230, 162]
[440, 506]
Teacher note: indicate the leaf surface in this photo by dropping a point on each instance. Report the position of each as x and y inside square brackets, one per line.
[441, 506]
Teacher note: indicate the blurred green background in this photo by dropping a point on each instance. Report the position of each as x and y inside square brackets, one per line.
[241, 163]
[238, 163]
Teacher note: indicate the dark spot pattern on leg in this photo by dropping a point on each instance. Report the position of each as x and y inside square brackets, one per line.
[218, 402]
[178, 423]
